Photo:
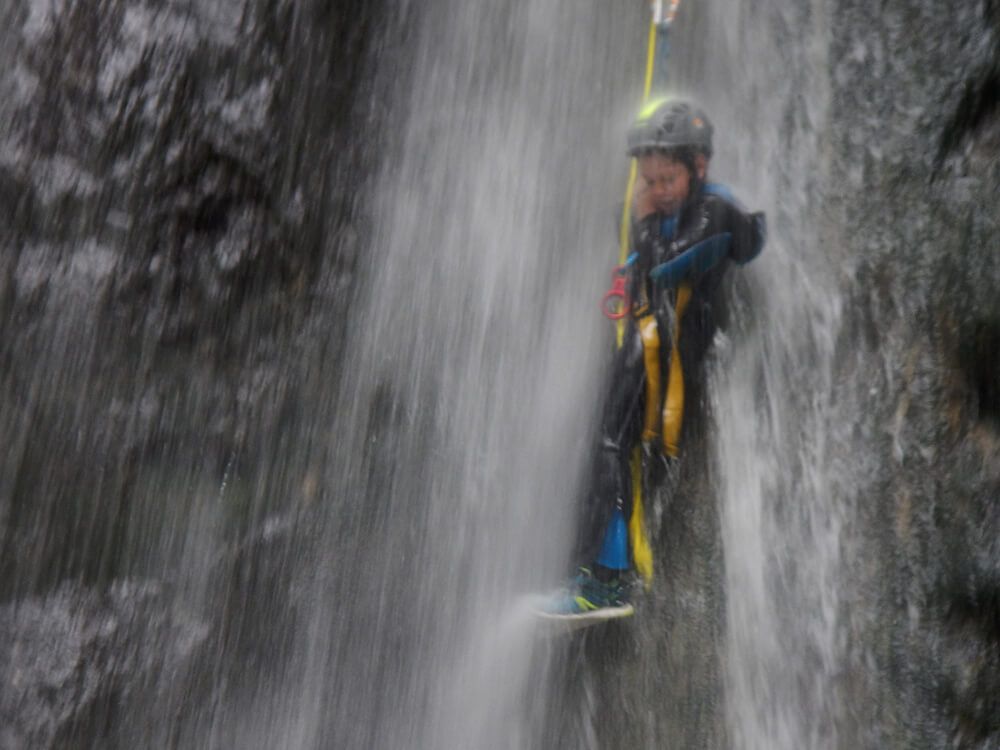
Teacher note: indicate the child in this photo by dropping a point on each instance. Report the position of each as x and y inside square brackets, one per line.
[685, 234]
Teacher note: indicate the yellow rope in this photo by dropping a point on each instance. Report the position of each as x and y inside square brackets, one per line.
[650, 58]
[642, 553]
[623, 229]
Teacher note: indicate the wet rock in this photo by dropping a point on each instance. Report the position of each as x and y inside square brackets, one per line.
[171, 175]
[71, 656]
[924, 230]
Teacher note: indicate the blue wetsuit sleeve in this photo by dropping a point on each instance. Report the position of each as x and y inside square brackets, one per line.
[694, 261]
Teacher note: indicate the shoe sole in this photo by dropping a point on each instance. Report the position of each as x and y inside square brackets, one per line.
[580, 620]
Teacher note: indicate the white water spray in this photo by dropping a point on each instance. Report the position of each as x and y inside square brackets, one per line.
[779, 492]
[476, 357]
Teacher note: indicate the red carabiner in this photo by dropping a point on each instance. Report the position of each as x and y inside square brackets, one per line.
[615, 302]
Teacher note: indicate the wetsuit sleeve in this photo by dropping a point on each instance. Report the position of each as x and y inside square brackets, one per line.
[749, 236]
[726, 214]
[722, 229]
[645, 234]
[694, 261]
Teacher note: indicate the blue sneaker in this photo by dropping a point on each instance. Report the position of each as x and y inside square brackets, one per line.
[585, 594]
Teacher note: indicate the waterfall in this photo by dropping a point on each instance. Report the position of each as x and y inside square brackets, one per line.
[471, 369]
[780, 491]
[301, 358]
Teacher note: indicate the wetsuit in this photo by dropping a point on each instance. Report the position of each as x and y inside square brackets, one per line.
[696, 247]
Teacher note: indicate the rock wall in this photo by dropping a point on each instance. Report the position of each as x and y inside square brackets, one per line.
[180, 227]
[917, 131]
[179, 189]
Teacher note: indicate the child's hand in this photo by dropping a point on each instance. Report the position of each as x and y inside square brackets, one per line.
[642, 200]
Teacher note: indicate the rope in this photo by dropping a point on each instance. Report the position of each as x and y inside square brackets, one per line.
[662, 17]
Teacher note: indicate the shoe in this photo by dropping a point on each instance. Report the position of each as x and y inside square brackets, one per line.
[584, 593]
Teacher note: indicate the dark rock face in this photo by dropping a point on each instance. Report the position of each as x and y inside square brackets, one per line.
[178, 223]
[166, 177]
[71, 657]
[916, 128]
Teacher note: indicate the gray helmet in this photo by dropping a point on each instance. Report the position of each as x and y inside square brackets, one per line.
[670, 124]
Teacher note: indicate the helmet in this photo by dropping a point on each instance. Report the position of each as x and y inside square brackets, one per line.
[670, 124]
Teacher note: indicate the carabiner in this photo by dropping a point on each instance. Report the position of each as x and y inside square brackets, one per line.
[615, 303]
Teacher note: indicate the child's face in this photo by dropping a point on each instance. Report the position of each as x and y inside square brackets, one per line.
[668, 182]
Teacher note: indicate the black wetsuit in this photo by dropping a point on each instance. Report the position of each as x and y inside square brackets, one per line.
[710, 215]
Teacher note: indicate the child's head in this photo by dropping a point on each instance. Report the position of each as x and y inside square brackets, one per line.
[669, 178]
[672, 139]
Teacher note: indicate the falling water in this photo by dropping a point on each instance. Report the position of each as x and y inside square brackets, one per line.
[779, 488]
[472, 362]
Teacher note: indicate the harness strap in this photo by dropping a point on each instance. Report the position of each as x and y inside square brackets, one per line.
[664, 416]
[673, 405]
[650, 335]
[642, 552]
